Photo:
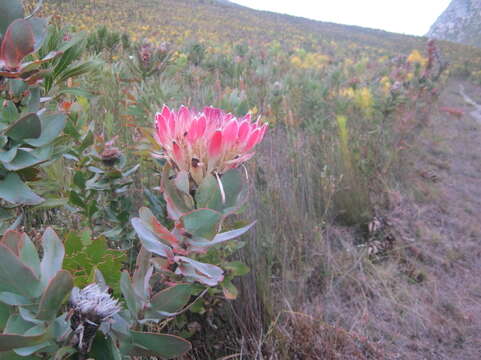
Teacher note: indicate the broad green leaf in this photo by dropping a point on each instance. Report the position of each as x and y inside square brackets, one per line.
[238, 268]
[79, 180]
[28, 316]
[4, 315]
[30, 350]
[11, 341]
[179, 201]
[13, 190]
[18, 42]
[51, 127]
[76, 200]
[14, 299]
[10, 10]
[53, 254]
[11, 355]
[29, 255]
[97, 249]
[146, 216]
[209, 196]
[15, 276]
[207, 274]
[39, 28]
[171, 300]
[182, 181]
[203, 223]
[53, 296]
[87, 141]
[60, 326]
[16, 324]
[103, 348]
[73, 244]
[219, 238]
[142, 273]
[9, 113]
[8, 155]
[18, 87]
[25, 159]
[129, 294]
[149, 240]
[27, 127]
[34, 100]
[13, 240]
[165, 346]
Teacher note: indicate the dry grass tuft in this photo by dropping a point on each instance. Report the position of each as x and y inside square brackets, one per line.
[299, 336]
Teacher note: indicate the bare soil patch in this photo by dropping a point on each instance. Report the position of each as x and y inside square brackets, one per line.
[423, 299]
[440, 226]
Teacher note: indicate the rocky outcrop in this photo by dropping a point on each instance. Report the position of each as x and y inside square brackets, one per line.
[460, 22]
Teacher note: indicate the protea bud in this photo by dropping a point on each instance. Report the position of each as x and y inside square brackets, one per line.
[109, 154]
[145, 54]
[89, 308]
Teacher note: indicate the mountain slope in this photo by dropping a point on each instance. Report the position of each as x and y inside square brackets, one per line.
[461, 22]
[223, 23]
[216, 21]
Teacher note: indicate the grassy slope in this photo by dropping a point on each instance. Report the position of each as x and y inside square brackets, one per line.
[214, 22]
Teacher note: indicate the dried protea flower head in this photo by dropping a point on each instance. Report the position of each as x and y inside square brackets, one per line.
[89, 308]
[207, 142]
[94, 303]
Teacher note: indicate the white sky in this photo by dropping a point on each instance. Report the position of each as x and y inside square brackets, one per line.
[412, 17]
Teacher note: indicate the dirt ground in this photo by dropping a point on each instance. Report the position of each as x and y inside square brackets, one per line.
[423, 300]
[443, 224]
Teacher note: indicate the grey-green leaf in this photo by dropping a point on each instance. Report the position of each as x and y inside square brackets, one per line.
[166, 346]
[52, 126]
[202, 223]
[12, 341]
[53, 296]
[209, 195]
[172, 299]
[128, 293]
[15, 276]
[9, 11]
[13, 190]
[53, 254]
[27, 127]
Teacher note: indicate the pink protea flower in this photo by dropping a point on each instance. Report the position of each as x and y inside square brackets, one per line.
[207, 142]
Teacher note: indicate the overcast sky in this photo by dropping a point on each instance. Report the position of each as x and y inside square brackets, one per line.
[412, 17]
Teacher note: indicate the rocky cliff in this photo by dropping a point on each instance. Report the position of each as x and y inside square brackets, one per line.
[460, 22]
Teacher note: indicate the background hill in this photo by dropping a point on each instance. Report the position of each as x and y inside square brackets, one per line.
[461, 22]
[216, 22]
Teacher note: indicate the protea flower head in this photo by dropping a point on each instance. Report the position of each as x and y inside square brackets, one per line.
[94, 303]
[90, 307]
[207, 142]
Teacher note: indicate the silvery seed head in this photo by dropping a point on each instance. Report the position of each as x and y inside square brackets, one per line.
[94, 303]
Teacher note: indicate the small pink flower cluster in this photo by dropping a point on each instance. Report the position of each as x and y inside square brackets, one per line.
[207, 142]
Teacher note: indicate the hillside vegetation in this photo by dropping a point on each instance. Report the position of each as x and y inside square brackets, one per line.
[219, 23]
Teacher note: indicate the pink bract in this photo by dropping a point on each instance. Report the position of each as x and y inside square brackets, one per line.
[206, 142]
